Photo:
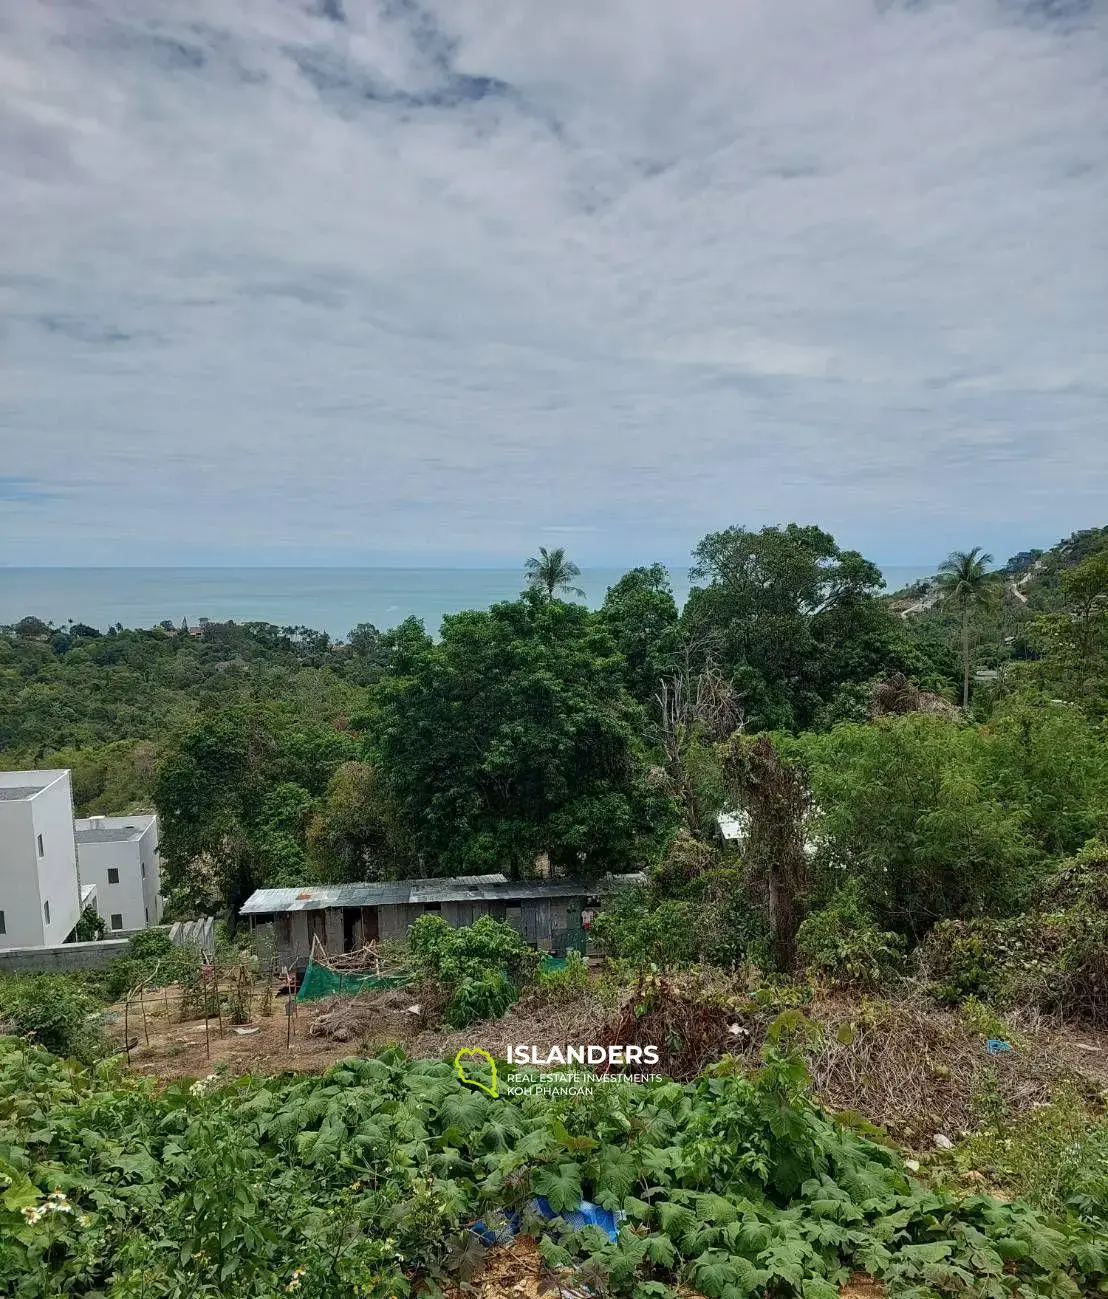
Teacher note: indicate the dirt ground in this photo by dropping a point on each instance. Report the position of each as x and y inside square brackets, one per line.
[169, 1048]
[913, 1070]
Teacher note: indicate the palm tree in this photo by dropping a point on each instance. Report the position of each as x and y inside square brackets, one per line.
[964, 581]
[552, 571]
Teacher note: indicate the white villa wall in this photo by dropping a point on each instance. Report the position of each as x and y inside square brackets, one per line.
[29, 880]
[19, 899]
[150, 872]
[58, 884]
[135, 897]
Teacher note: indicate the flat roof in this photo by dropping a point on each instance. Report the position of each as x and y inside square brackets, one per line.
[15, 785]
[392, 893]
[112, 829]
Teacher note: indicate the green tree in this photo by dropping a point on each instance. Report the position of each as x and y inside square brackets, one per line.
[966, 584]
[353, 836]
[909, 805]
[790, 617]
[1051, 759]
[513, 738]
[234, 794]
[551, 571]
[641, 616]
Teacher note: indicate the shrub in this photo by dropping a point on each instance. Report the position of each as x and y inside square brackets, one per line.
[90, 927]
[1055, 1157]
[1057, 960]
[908, 804]
[451, 954]
[54, 1010]
[475, 999]
[483, 964]
[713, 921]
[150, 958]
[843, 945]
[564, 984]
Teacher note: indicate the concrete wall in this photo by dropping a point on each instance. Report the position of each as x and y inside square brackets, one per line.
[62, 959]
[19, 897]
[52, 814]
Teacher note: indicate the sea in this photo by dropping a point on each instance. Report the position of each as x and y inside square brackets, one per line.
[326, 599]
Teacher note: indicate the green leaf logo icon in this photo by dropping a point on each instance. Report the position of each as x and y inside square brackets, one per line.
[468, 1053]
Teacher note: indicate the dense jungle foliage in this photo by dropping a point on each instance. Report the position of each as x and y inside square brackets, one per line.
[541, 735]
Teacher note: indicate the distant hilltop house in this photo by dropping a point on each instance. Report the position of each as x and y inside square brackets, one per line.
[549, 914]
[52, 867]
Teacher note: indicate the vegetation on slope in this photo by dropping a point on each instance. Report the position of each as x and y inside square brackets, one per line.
[364, 1181]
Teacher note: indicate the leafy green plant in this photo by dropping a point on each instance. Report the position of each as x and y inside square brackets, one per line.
[89, 928]
[842, 944]
[363, 1181]
[56, 1011]
[566, 983]
[483, 965]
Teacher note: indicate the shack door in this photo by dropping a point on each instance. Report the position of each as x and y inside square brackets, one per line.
[370, 929]
[317, 927]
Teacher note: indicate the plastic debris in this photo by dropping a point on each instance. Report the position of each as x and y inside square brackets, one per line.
[246, 1032]
[995, 1045]
[943, 1142]
[500, 1228]
[912, 1165]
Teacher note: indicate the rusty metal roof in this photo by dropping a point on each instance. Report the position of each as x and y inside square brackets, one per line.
[392, 893]
[386, 893]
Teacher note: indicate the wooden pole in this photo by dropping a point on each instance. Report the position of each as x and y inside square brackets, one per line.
[142, 1007]
[127, 1028]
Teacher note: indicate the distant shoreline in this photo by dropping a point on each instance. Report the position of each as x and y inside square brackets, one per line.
[326, 599]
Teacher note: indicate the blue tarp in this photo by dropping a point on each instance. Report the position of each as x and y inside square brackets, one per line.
[587, 1214]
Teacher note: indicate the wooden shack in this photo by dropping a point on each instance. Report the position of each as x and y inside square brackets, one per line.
[346, 916]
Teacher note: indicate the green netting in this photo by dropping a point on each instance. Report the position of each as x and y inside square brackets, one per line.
[551, 964]
[319, 982]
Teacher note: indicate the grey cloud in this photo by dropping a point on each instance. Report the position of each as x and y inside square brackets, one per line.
[306, 272]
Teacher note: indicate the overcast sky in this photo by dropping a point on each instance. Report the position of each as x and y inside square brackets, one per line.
[303, 281]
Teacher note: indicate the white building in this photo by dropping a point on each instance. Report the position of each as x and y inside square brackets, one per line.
[119, 855]
[40, 889]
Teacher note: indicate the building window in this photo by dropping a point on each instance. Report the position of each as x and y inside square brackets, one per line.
[117, 920]
[46, 912]
[147, 910]
[3, 924]
[41, 849]
[113, 874]
[143, 867]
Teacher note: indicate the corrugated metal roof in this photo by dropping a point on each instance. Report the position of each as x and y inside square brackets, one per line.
[391, 893]
[386, 893]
